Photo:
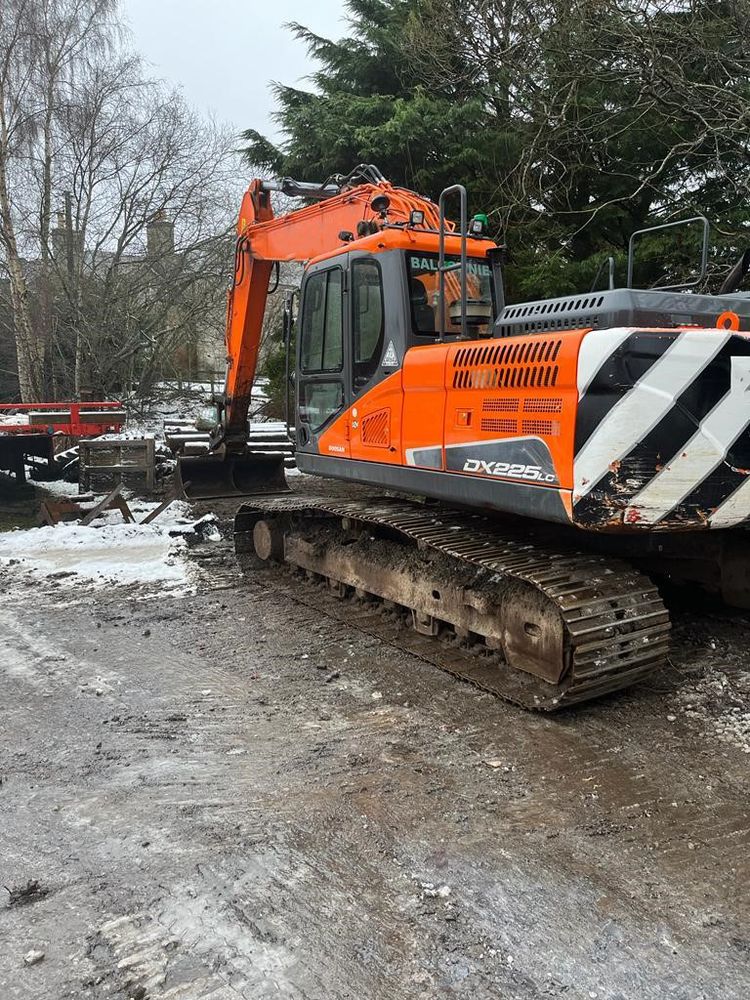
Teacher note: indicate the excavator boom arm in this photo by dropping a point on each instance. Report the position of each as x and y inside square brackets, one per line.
[264, 240]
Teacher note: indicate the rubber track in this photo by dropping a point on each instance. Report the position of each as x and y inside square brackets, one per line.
[616, 623]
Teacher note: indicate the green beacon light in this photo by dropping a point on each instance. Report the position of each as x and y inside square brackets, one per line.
[479, 224]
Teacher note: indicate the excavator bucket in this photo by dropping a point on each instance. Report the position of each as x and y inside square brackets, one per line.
[206, 477]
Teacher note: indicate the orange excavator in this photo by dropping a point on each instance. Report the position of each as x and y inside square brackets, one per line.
[517, 467]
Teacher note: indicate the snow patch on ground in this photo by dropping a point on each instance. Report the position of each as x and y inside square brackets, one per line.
[186, 401]
[10, 418]
[106, 553]
[55, 488]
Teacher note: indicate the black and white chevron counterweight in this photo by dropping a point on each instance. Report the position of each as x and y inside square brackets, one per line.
[662, 431]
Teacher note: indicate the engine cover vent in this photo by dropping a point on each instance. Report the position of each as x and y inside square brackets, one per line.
[500, 404]
[541, 428]
[499, 425]
[376, 429]
[526, 364]
[543, 405]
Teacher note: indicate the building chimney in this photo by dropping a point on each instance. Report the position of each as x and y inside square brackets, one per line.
[59, 238]
[160, 236]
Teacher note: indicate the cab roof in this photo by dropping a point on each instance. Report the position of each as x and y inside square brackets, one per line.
[404, 238]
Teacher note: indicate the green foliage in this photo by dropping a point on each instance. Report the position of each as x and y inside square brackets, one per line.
[272, 365]
[571, 122]
[370, 107]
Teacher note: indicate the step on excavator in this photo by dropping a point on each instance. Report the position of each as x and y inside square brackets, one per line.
[522, 471]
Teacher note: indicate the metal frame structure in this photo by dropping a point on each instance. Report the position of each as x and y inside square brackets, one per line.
[460, 190]
[83, 419]
[672, 225]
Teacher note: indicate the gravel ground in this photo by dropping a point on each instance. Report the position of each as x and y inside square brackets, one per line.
[230, 795]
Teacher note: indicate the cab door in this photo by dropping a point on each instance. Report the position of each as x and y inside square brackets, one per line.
[321, 374]
[367, 322]
[375, 376]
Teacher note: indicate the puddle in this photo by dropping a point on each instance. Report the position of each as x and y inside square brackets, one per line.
[19, 505]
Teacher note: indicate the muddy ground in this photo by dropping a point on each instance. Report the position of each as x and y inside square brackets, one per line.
[232, 795]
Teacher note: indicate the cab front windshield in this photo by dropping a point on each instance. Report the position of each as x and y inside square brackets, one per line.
[424, 295]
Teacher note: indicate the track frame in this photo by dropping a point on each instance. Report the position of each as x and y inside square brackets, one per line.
[570, 626]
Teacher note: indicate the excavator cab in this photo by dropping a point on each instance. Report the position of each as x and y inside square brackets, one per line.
[361, 311]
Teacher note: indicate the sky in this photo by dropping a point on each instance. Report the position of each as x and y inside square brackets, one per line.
[224, 53]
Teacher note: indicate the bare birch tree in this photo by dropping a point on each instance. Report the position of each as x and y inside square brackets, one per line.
[144, 191]
[43, 47]
[152, 189]
[18, 119]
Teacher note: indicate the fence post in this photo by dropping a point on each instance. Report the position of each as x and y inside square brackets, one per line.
[151, 463]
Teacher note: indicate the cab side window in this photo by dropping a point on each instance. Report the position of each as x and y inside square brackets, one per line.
[322, 347]
[368, 320]
[321, 333]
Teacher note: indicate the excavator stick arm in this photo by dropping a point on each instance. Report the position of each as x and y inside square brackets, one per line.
[245, 310]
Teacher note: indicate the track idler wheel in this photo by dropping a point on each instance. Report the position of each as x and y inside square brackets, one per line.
[268, 540]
